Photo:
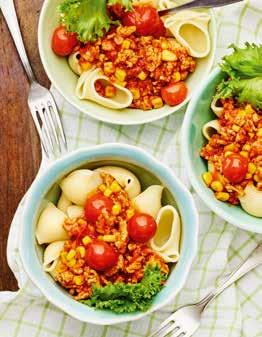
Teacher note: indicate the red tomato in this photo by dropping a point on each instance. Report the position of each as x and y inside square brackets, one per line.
[141, 227]
[234, 168]
[95, 205]
[146, 20]
[101, 256]
[174, 93]
[63, 42]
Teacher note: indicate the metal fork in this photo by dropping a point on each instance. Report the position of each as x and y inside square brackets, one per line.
[41, 102]
[186, 320]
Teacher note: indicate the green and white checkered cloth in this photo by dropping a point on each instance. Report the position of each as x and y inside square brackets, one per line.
[238, 311]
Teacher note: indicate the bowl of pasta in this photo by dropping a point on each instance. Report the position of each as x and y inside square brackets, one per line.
[120, 62]
[222, 139]
[106, 235]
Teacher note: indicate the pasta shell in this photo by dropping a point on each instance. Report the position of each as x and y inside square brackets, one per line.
[149, 201]
[251, 201]
[50, 225]
[51, 255]
[74, 63]
[63, 203]
[79, 184]
[75, 211]
[86, 90]
[125, 178]
[168, 232]
[169, 257]
[211, 128]
[216, 108]
[190, 28]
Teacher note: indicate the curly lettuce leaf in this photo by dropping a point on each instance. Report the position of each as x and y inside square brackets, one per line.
[244, 62]
[127, 4]
[245, 90]
[121, 297]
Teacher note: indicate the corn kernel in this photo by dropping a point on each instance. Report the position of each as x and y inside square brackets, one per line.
[121, 83]
[229, 147]
[142, 75]
[115, 187]
[116, 209]
[108, 192]
[244, 154]
[109, 68]
[120, 75]
[207, 177]
[129, 213]
[157, 102]
[249, 109]
[71, 263]
[136, 93]
[177, 76]
[168, 55]
[259, 132]
[222, 196]
[246, 147]
[217, 186]
[107, 238]
[235, 127]
[248, 176]
[81, 250]
[86, 240]
[256, 178]
[228, 153]
[102, 188]
[110, 91]
[164, 45]
[78, 280]
[82, 222]
[85, 66]
[252, 168]
[126, 44]
[71, 254]
[63, 257]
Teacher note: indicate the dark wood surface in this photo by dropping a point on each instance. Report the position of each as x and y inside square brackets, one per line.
[19, 145]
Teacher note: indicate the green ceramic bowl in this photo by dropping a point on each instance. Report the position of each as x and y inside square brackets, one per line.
[198, 113]
[65, 80]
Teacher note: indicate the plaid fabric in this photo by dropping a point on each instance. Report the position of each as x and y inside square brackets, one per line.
[237, 312]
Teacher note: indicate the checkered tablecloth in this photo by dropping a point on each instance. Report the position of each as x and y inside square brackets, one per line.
[238, 311]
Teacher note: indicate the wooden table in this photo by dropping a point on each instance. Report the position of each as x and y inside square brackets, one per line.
[19, 145]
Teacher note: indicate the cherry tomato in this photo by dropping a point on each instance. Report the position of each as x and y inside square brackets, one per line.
[63, 42]
[174, 93]
[101, 256]
[95, 205]
[234, 168]
[141, 227]
[146, 20]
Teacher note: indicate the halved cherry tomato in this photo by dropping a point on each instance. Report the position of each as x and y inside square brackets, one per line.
[95, 205]
[234, 168]
[141, 227]
[174, 93]
[101, 256]
[146, 20]
[63, 42]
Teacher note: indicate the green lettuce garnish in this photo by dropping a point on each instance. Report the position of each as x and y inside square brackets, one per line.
[125, 298]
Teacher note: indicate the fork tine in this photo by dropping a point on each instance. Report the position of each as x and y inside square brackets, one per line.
[45, 127]
[169, 329]
[179, 333]
[52, 125]
[52, 104]
[163, 325]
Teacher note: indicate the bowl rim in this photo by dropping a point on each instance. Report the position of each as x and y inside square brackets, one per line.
[27, 249]
[144, 118]
[199, 187]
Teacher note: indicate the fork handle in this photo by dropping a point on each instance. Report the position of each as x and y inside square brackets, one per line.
[9, 13]
[254, 260]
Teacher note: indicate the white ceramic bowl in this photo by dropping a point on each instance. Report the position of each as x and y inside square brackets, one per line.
[65, 80]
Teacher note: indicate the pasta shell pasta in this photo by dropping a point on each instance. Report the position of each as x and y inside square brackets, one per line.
[51, 255]
[149, 201]
[190, 28]
[63, 203]
[75, 211]
[50, 225]
[86, 90]
[74, 63]
[168, 232]
[211, 128]
[125, 178]
[79, 184]
[251, 202]
[216, 108]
